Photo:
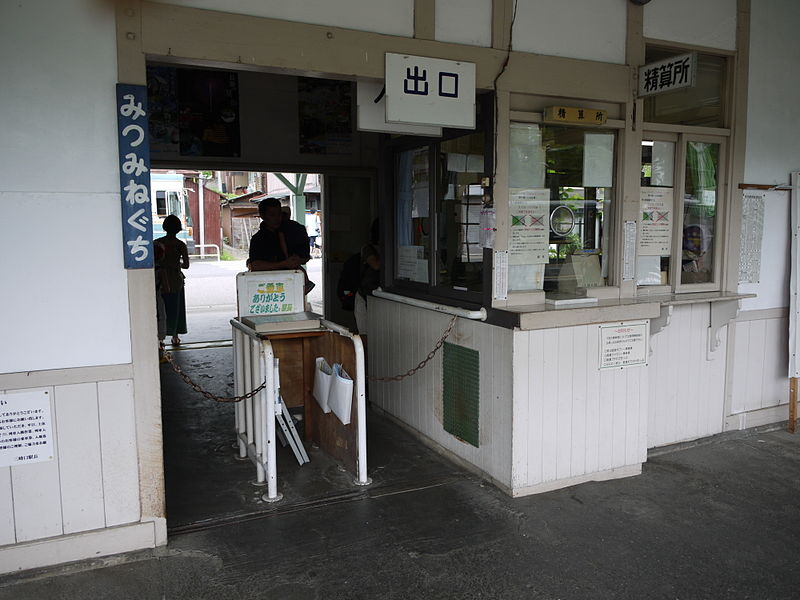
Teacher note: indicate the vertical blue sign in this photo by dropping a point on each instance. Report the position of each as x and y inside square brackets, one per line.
[134, 176]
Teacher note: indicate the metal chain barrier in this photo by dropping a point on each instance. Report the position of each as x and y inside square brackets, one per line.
[424, 362]
[176, 367]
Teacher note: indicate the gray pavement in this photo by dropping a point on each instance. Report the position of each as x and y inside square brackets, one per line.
[211, 297]
[718, 520]
[715, 520]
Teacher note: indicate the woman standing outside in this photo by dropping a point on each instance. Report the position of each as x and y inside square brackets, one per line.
[175, 258]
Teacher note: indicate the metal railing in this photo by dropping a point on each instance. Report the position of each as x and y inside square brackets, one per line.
[204, 254]
[254, 363]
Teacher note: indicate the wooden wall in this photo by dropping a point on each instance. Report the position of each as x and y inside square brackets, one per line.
[759, 370]
[400, 337]
[93, 480]
[687, 383]
[573, 422]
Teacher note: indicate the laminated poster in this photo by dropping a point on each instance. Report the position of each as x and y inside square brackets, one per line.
[529, 241]
[655, 226]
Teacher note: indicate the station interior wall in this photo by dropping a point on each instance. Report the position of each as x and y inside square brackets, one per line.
[65, 307]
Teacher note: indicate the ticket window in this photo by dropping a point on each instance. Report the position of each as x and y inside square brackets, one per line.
[682, 173]
[680, 212]
[561, 199]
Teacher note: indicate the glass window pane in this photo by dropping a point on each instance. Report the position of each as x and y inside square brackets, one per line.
[560, 197]
[699, 212]
[700, 105]
[459, 254]
[656, 213]
[161, 203]
[413, 215]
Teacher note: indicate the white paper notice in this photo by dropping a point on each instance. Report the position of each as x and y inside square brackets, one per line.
[752, 236]
[500, 291]
[655, 228]
[26, 430]
[488, 227]
[624, 345]
[526, 162]
[663, 169]
[598, 160]
[411, 263]
[629, 251]
[530, 227]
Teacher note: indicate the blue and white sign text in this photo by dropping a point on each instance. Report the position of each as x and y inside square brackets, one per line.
[134, 176]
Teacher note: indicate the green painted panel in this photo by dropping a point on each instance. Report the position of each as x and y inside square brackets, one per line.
[460, 392]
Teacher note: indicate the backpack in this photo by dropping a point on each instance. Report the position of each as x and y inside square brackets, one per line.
[349, 282]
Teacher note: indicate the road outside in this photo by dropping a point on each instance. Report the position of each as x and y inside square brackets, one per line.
[211, 297]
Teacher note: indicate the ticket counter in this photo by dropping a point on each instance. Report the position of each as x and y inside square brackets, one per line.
[544, 404]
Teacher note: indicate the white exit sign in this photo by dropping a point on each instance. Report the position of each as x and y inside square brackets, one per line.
[430, 91]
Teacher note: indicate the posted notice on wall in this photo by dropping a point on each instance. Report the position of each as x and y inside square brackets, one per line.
[529, 243]
[624, 345]
[26, 431]
[655, 226]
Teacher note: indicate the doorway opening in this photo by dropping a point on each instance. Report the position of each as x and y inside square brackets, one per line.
[219, 214]
[233, 128]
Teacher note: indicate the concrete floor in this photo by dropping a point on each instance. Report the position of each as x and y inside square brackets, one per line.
[718, 520]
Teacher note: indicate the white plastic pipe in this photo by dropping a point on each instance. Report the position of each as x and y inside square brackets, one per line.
[475, 315]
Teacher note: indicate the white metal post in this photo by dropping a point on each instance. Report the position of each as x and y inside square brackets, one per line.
[361, 407]
[202, 214]
[258, 409]
[268, 396]
[248, 385]
[238, 381]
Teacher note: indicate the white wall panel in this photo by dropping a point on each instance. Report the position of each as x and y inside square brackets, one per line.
[37, 494]
[687, 391]
[401, 336]
[773, 113]
[760, 364]
[7, 535]
[772, 289]
[60, 247]
[81, 478]
[464, 22]
[392, 17]
[710, 23]
[118, 451]
[63, 282]
[6, 508]
[587, 29]
[58, 120]
[773, 131]
[572, 420]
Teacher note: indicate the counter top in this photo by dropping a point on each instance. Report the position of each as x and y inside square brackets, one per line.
[546, 316]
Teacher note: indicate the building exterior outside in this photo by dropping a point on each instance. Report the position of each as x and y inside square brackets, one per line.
[79, 326]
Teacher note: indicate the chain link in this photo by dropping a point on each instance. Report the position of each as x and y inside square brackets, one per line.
[176, 367]
[424, 362]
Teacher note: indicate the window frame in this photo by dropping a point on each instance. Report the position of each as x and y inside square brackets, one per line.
[434, 290]
[681, 140]
[611, 289]
[682, 135]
